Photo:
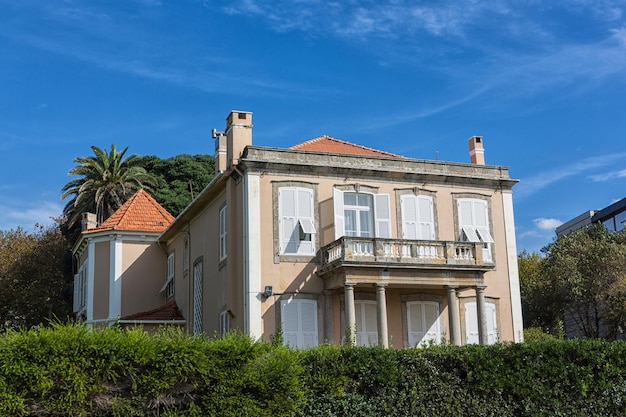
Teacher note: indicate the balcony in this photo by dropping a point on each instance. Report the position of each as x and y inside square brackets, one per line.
[412, 254]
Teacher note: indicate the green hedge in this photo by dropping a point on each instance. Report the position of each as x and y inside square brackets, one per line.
[68, 370]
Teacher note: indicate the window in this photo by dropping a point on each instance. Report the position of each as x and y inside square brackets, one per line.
[471, 323]
[186, 256]
[168, 287]
[296, 221]
[361, 214]
[299, 322]
[366, 323]
[197, 297]
[423, 323]
[80, 289]
[224, 322]
[222, 243]
[474, 223]
[418, 220]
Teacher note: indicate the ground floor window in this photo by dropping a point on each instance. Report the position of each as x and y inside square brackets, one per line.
[423, 324]
[366, 323]
[471, 323]
[299, 322]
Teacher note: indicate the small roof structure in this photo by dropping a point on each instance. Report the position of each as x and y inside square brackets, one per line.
[167, 312]
[140, 213]
[332, 145]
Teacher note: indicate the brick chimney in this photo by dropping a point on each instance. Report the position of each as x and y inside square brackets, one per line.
[476, 150]
[238, 135]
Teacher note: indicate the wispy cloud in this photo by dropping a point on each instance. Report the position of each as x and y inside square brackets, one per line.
[28, 214]
[608, 176]
[531, 185]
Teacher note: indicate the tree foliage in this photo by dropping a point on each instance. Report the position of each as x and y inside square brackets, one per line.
[179, 178]
[540, 308]
[587, 279]
[33, 289]
[106, 180]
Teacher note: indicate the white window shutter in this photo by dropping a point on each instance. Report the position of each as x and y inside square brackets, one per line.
[382, 215]
[415, 323]
[408, 203]
[306, 221]
[426, 218]
[431, 316]
[299, 322]
[308, 315]
[289, 233]
[471, 324]
[338, 208]
[290, 314]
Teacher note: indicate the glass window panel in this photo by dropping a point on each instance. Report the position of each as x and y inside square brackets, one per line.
[349, 199]
[365, 200]
[366, 224]
[350, 222]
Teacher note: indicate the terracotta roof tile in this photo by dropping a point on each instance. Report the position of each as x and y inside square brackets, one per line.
[166, 312]
[140, 213]
[331, 145]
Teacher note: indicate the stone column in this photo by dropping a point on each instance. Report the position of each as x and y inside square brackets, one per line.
[480, 312]
[350, 314]
[381, 315]
[454, 319]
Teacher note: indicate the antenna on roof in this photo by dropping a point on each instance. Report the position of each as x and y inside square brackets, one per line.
[436, 155]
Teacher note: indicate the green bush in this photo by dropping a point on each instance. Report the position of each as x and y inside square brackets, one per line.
[69, 370]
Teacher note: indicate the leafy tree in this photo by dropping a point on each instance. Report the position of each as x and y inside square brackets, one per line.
[587, 274]
[106, 180]
[538, 304]
[179, 178]
[31, 277]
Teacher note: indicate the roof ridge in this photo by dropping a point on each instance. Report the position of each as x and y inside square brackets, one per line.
[304, 145]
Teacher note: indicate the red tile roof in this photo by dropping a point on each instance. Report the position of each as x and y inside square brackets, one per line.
[331, 145]
[140, 213]
[166, 312]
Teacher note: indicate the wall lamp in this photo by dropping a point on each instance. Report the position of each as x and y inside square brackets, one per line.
[267, 293]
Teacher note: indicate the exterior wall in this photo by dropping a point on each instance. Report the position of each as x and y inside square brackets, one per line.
[291, 277]
[101, 275]
[143, 275]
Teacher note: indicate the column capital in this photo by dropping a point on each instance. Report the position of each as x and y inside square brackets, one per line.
[480, 288]
[349, 284]
[381, 284]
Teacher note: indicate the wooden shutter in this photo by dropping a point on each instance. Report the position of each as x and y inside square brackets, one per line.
[338, 208]
[382, 216]
[426, 218]
[304, 211]
[299, 322]
[288, 226]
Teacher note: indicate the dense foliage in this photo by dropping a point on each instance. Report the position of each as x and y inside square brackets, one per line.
[585, 272]
[72, 371]
[32, 287]
[179, 178]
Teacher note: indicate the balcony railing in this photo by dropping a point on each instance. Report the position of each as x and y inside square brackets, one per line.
[424, 253]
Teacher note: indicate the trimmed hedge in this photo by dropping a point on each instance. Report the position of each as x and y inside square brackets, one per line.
[68, 370]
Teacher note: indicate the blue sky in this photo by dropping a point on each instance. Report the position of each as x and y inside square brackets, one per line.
[543, 82]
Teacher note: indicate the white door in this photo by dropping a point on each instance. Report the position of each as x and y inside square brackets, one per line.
[423, 323]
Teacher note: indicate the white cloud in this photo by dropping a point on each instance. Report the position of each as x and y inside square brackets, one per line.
[547, 223]
[529, 186]
[27, 214]
[608, 176]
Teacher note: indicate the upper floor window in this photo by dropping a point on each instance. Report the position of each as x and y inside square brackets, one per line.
[418, 220]
[361, 214]
[169, 282]
[223, 231]
[474, 223]
[296, 221]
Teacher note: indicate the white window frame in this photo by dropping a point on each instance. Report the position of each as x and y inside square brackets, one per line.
[431, 332]
[297, 332]
[224, 322]
[381, 216]
[471, 323]
[366, 331]
[80, 289]
[473, 220]
[168, 287]
[223, 230]
[297, 233]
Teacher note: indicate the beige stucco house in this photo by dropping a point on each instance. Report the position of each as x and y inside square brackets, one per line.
[332, 241]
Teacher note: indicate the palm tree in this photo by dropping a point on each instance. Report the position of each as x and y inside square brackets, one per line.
[106, 181]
